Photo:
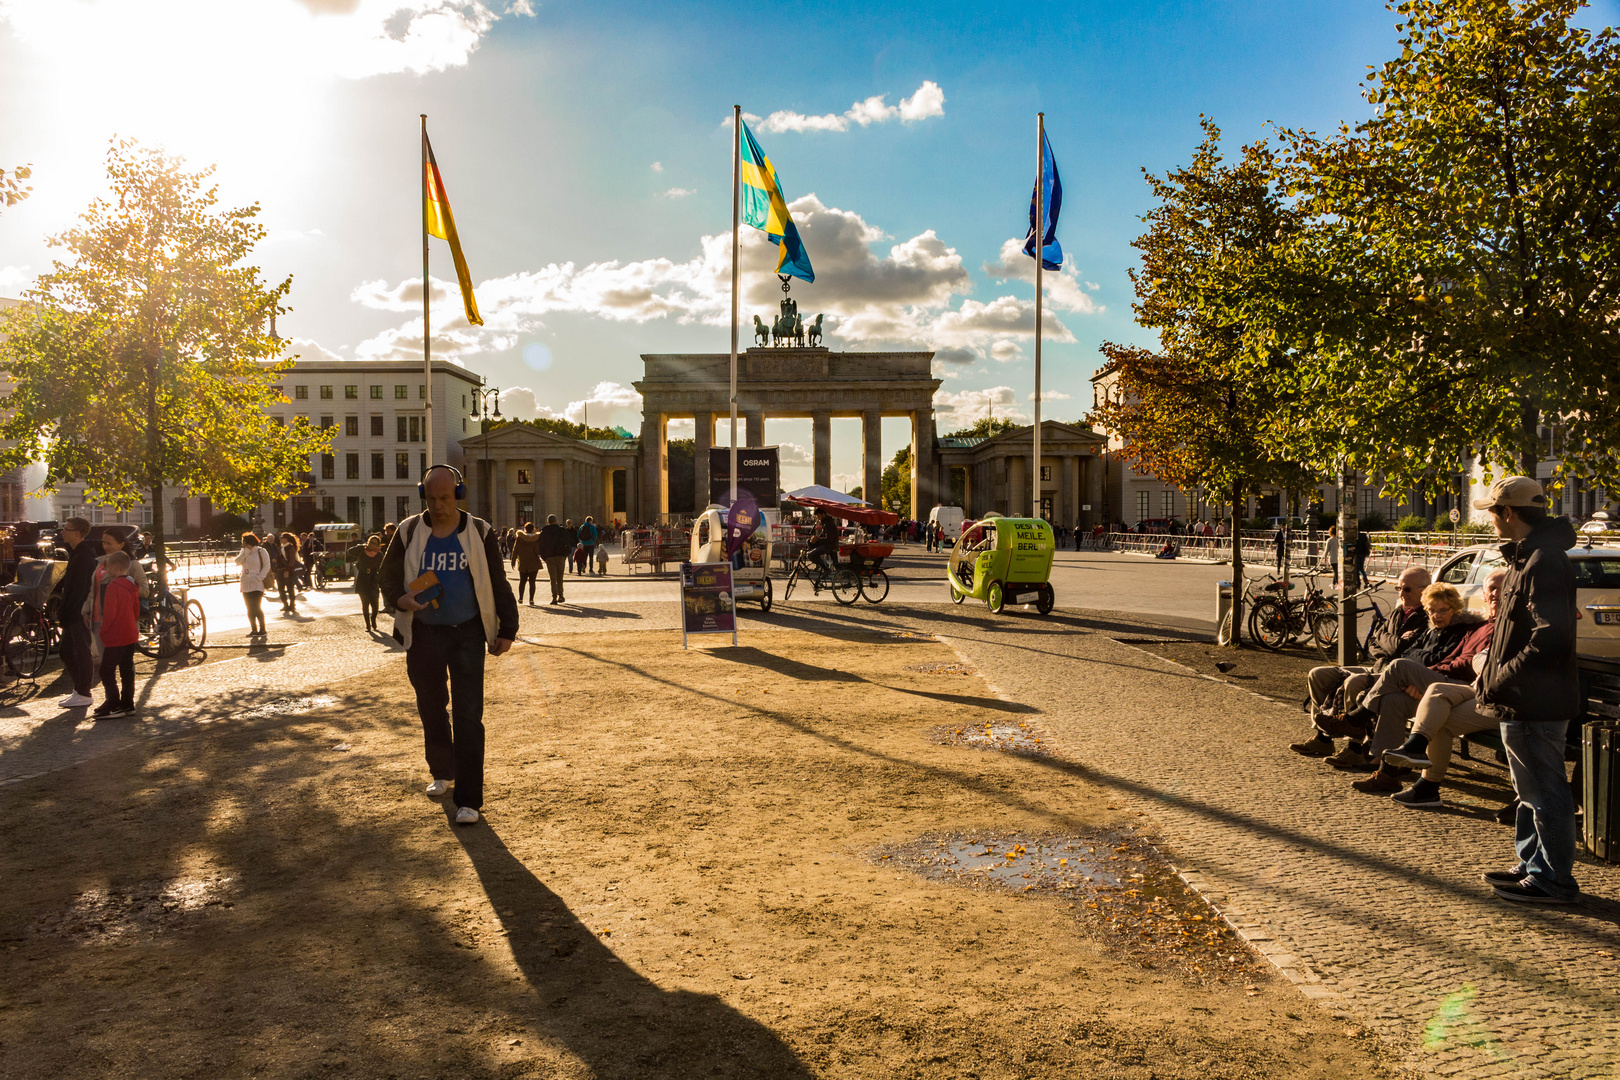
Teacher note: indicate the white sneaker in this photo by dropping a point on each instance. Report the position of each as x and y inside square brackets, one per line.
[466, 816]
[437, 788]
[76, 701]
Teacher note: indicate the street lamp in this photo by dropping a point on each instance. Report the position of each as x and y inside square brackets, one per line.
[482, 413]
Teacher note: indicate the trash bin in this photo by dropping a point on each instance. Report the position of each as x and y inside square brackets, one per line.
[1600, 788]
[1223, 613]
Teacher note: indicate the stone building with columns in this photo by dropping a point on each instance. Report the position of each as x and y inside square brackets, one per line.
[997, 473]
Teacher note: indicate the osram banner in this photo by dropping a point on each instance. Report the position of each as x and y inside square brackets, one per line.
[758, 473]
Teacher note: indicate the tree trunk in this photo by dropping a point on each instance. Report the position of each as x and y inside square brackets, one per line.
[158, 555]
[1237, 566]
[1349, 653]
[1530, 423]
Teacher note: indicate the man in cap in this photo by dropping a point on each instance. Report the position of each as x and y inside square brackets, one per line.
[1530, 684]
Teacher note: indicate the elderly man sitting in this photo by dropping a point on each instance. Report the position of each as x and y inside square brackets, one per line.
[1399, 633]
[1444, 712]
[1444, 655]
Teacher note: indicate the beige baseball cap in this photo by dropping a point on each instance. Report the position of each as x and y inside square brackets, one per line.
[1513, 491]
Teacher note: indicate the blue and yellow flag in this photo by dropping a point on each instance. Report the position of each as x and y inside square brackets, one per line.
[765, 209]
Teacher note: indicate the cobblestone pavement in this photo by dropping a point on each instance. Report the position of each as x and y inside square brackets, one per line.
[1376, 912]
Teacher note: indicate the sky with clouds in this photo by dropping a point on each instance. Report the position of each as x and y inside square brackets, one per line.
[586, 151]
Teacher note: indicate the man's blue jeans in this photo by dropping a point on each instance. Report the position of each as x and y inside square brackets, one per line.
[1545, 828]
[446, 668]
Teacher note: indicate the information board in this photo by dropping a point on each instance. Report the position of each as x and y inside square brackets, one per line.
[707, 604]
[758, 472]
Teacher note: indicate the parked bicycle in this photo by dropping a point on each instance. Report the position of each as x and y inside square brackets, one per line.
[1277, 619]
[845, 586]
[28, 633]
[1330, 620]
[172, 621]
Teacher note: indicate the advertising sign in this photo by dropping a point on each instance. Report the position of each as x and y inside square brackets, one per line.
[758, 473]
[707, 605]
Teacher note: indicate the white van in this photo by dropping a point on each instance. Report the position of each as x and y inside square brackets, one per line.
[948, 517]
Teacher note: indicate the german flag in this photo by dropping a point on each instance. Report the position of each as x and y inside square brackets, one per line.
[441, 223]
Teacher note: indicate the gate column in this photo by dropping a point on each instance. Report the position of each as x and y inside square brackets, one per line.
[872, 457]
[703, 439]
[821, 448]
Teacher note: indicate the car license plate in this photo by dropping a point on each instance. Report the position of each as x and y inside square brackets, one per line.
[1027, 598]
[1606, 618]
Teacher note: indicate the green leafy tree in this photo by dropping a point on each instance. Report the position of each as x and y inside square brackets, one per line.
[12, 190]
[559, 426]
[897, 483]
[1463, 253]
[145, 359]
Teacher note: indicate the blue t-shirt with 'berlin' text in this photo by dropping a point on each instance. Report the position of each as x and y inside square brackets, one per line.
[443, 556]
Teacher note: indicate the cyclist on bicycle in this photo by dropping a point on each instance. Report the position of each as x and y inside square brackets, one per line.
[824, 550]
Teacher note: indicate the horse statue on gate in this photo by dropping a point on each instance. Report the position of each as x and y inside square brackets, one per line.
[798, 330]
[762, 333]
[813, 332]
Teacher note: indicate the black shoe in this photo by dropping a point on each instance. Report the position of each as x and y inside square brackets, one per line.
[1509, 814]
[1528, 892]
[1418, 795]
[1504, 877]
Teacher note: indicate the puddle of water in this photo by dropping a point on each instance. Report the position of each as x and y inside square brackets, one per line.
[148, 907]
[943, 668]
[1061, 865]
[1008, 737]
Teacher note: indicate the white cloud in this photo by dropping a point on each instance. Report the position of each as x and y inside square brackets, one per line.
[1092, 286]
[1063, 287]
[606, 398]
[1006, 350]
[679, 192]
[843, 481]
[306, 349]
[1048, 395]
[658, 166]
[15, 280]
[954, 410]
[928, 101]
[789, 454]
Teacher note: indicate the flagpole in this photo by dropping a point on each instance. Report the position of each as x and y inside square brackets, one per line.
[1040, 258]
[427, 333]
[736, 195]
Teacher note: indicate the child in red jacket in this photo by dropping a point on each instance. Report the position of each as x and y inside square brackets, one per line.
[117, 607]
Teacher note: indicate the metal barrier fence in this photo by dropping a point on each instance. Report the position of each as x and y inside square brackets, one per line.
[1391, 552]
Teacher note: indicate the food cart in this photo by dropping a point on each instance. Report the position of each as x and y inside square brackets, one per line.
[750, 569]
[333, 564]
[1003, 560]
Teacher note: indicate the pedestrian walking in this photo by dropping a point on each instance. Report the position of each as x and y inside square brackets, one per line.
[367, 560]
[447, 627]
[601, 559]
[287, 573]
[114, 609]
[255, 576]
[526, 557]
[587, 543]
[1331, 551]
[1281, 542]
[556, 542]
[1531, 685]
[1363, 552]
[77, 661]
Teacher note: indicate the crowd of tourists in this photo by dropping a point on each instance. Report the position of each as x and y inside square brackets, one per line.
[1438, 672]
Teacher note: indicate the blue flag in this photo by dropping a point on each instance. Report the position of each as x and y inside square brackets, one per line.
[1051, 250]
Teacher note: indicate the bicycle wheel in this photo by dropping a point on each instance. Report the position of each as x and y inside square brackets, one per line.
[166, 634]
[1325, 632]
[27, 641]
[1269, 623]
[995, 597]
[875, 585]
[793, 578]
[1046, 600]
[846, 586]
[196, 624]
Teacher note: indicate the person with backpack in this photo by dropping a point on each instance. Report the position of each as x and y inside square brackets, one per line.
[447, 626]
[255, 576]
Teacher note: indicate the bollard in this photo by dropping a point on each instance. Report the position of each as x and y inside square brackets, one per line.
[1223, 612]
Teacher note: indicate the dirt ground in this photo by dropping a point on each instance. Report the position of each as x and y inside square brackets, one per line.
[788, 859]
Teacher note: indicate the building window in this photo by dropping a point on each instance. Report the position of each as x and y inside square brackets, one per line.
[402, 465]
[416, 429]
[376, 393]
[1141, 505]
[301, 392]
[423, 470]
[403, 505]
[421, 391]
[401, 393]
[463, 402]
[523, 476]
[352, 466]
[399, 428]
[326, 423]
[180, 513]
[1167, 504]
[329, 504]
[328, 467]
[351, 426]
[377, 467]
[377, 426]
[351, 393]
[326, 393]
[379, 512]
[464, 425]
[1046, 473]
[353, 509]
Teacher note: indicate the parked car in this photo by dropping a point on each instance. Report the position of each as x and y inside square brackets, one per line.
[1599, 525]
[1597, 590]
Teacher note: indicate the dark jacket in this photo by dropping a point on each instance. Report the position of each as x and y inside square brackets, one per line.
[1435, 647]
[1460, 664]
[1363, 546]
[1399, 634]
[366, 568]
[556, 541]
[393, 580]
[76, 580]
[526, 552]
[1530, 672]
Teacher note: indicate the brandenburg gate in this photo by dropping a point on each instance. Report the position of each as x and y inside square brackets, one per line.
[786, 382]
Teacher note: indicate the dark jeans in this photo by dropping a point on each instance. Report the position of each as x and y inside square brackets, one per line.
[287, 585]
[590, 558]
[118, 661]
[368, 604]
[527, 578]
[76, 658]
[1544, 829]
[454, 736]
[554, 570]
[255, 609]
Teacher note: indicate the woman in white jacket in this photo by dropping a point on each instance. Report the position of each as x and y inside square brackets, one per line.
[255, 564]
